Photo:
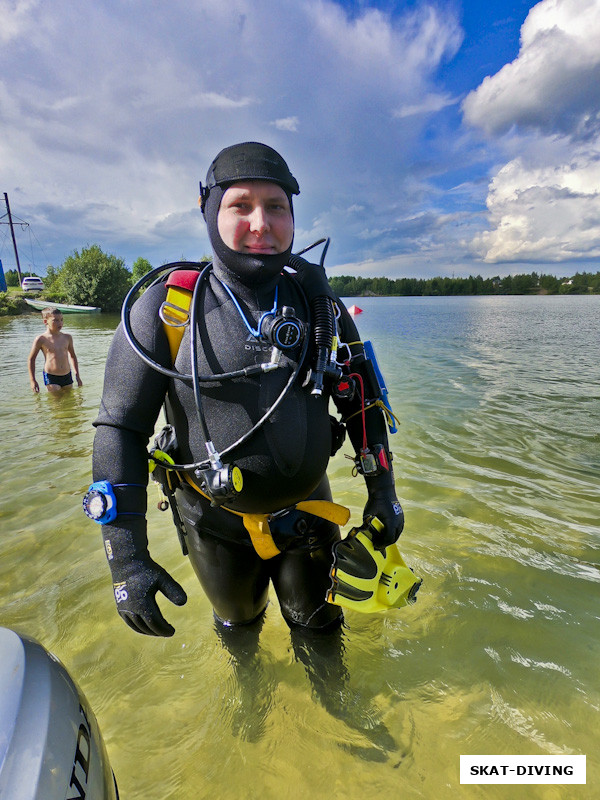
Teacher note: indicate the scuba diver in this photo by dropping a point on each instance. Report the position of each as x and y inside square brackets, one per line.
[244, 353]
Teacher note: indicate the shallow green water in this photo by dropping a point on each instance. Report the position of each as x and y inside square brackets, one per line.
[498, 465]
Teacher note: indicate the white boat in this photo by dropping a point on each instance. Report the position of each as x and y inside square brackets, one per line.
[65, 308]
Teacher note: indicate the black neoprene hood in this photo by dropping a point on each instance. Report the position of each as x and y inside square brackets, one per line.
[244, 162]
[248, 161]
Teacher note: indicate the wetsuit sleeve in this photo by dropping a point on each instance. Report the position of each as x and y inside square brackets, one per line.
[132, 396]
[367, 429]
[131, 401]
[375, 426]
[366, 424]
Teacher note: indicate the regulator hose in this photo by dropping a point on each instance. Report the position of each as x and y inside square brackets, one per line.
[324, 331]
[323, 322]
[323, 313]
[157, 276]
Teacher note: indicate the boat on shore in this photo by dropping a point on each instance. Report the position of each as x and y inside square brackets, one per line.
[65, 308]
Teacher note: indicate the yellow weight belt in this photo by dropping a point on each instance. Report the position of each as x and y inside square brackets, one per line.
[257, 525]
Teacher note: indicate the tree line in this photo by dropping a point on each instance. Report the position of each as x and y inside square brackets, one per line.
[580, 283]
[94, 278]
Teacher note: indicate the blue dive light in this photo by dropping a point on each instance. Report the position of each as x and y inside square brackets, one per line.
[100, 503]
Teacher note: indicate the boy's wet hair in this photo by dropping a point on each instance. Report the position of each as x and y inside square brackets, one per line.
[51, 312]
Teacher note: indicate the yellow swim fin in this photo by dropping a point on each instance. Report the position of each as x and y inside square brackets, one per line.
[366, 579]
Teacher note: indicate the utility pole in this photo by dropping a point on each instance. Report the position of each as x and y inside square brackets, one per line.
[12, 233]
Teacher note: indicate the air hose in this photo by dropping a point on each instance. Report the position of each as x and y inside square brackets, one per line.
[323, 315]
[158, 275]
[324, 331]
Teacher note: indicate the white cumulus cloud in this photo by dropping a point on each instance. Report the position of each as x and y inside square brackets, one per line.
[554, 83]
[110, 112]
[286, 124]
[544, 111]
[544, 214]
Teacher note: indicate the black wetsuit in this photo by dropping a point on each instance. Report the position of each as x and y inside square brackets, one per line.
[282, 463]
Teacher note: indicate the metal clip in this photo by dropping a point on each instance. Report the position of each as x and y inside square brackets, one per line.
[173, 315]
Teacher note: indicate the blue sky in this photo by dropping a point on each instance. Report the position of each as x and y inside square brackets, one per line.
[428, 138]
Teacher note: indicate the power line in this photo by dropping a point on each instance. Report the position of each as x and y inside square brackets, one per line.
[12, 233]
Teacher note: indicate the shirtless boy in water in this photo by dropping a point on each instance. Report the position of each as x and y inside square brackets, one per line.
[59, 354]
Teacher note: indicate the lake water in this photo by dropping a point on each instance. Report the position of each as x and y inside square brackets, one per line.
[497, 463]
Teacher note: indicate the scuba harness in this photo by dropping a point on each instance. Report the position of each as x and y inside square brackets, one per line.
[214, 479]
[180, 309]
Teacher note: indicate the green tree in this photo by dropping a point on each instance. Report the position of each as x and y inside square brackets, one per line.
[12, 277]
[522, 284]
[382, 286]
[140, 267]
[51, 275]
[549, 283]
[581, 280]
[343, 285]
[93, 278]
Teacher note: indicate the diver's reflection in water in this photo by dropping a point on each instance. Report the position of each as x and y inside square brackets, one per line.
[248, 718]
[322, 654]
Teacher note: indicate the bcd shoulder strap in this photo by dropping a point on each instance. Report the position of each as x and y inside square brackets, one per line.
[175, 311]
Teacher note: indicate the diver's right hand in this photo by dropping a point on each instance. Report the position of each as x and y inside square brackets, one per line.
[135, 584]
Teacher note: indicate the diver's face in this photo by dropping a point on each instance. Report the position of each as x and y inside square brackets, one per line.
[255, 217]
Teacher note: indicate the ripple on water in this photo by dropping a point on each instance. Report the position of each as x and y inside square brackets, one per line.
[497, 464]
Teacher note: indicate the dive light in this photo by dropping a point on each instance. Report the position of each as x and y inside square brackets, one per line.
[100, 503]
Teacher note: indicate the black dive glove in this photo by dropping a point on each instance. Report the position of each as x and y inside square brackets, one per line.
[137, 579]
[384, 505]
